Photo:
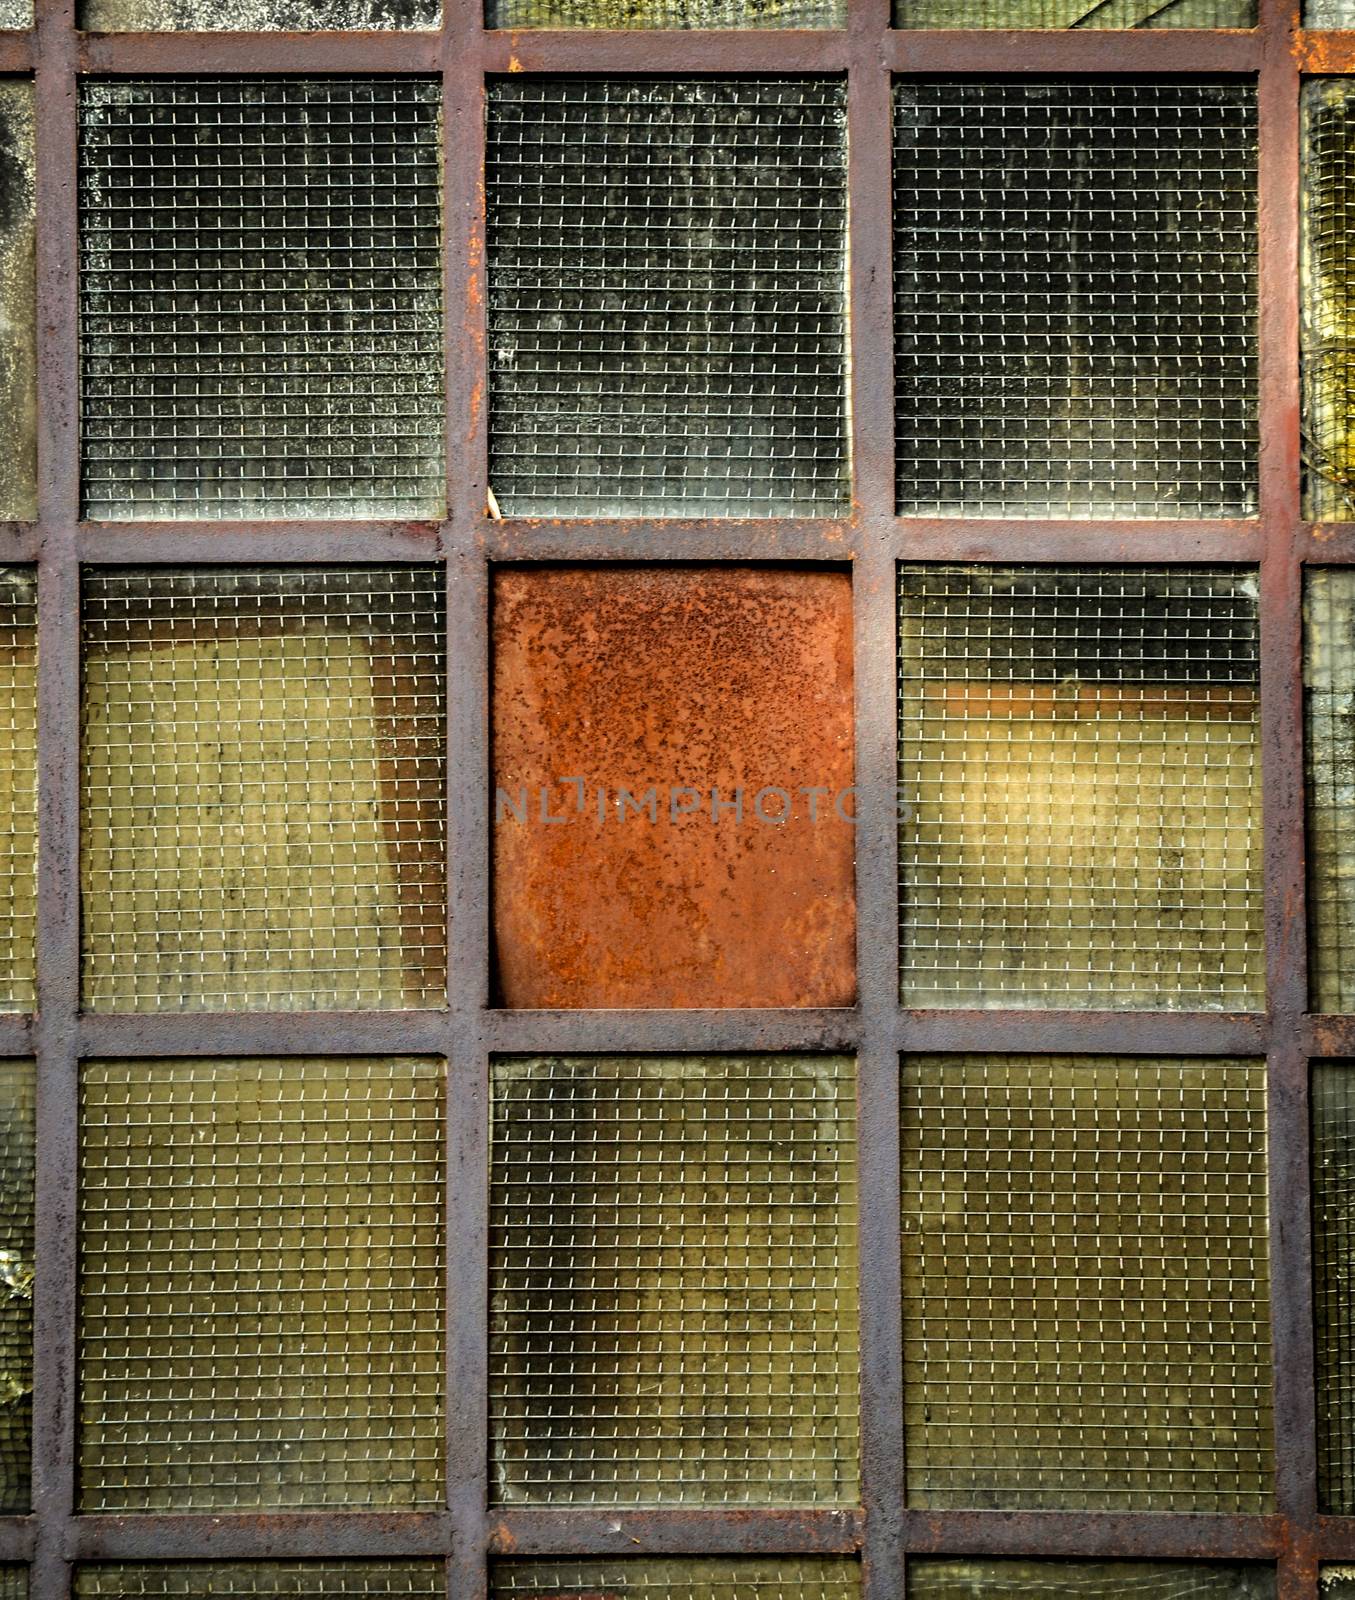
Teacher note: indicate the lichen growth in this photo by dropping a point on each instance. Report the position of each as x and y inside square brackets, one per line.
[627, 14]
[1074, 13]
[169, 16]
[18, 303]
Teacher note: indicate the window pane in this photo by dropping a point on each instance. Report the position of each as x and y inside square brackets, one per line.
[690, 692]
[261, 1284]
[1329, 702]
[667, 270]
[1086, 1291]
[285, 234]
[666, 13]
[1333, 1114]
[263, 811]
[681, 1578]
[1074, 13]
[18, 787]
[18, 294]
[1075, 298]
[1080, 774]
[673, 1280]
[1328, 298]
[977, 1579]
[260, 1580]
[16, 1294]
[110, 16]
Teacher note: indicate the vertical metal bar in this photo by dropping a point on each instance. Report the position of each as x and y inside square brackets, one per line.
[869, 131]
[58, 963]
[1283, 797]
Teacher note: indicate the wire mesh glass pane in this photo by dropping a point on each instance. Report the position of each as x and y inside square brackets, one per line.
[680, 1578]
[1328, 298]
[1086, 1284]
[666, 13]
[16, 13]
[667, 266]
[1329, 14]
[13, 1582]
[18, 290]
[673, 1280]
[977, 1579]
[1335, 1580]
[260, 1580]
[263, 807]
[110, 16]
[261, 327]
[17, 1096]
[1074, 13]
[1079, 784]
[18, 787]
[1075, 298]
[1333, 1118]
[261, 1284]
[1329, 705]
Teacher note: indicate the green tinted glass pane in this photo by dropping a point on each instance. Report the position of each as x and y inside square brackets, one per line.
[261, 1580]
[702, 1578]
[1087, 1580]
[16, 1286]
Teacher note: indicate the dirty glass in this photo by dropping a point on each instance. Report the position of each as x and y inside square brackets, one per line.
[18, 787]
[680, 1578]
[1086, 1306]
[1328, 298]
[673, 1280]
[972, 1577]
[666, 13]
[1336, 1581]
[1079, 787]
[1074, 13]
[263, 788]
[657, 733]
[667, 266]
[1329, 706]
[286, 233]
[1329, 14]
[18, 295]
[1075, 298]
[1333, 1118]
[16, 1288]
[261, 1580]
[110, 16]
[261, 1284]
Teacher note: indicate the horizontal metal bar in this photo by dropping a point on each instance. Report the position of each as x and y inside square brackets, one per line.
[1321, 51]
[770, 539]
[994, 51]
[578, 1531]
[144, 54]
[285, 1534]
[16, 1036]
[1335, 1537]
[1091, 1533]
[139, 544]
[1328, 1036]
[992, 539]
[264, 1033]
[652, 50]
[16, 51]
[1070, 1032]
[553, 1032]
[1326, 542]
[18, 1535]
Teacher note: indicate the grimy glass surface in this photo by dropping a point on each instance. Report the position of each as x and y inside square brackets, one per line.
[1079, 778]
[18, 787]
[679, 1578]
[1329, 716]
[1085, 1284]
[1005, 1579]
[18, 291]
[667, 280]
[666, 13]
[1336, 1581]
[16, 1286]
[261, 1284]
[1074, 13]
[1328, 299]
[286, 235]
[263, 788]
[218, 15]
[1333, 1118]
[260, 1580]
[1329, 14]
[1075, 298]
[673, 1280]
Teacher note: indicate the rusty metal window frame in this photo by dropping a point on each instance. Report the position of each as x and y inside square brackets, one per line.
[874, 540]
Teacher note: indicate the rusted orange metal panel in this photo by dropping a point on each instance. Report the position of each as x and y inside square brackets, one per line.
[706, 686]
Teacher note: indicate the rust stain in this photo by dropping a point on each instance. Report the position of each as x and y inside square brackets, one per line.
[647, 678]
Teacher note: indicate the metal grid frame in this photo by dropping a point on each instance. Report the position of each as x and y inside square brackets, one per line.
[873, 540]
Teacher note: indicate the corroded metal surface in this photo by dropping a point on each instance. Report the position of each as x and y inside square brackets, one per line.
[678, 694]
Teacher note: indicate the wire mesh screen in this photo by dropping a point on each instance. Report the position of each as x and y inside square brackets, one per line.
[673, 1279]
[1329, 705]
[1088, 1580]
[680, 1578]
[18, 787]
[261, 1284]
[261, 329]
[110, 16]
[666, 13]
[1328, 298]
[17, 1095]
[1075, 298]
[1333, 1119]
[666, 296]
[1074, 13]
[263, 807]
[1079, 784]
[18, 289]
[260, 1580]
[1085, 1283]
